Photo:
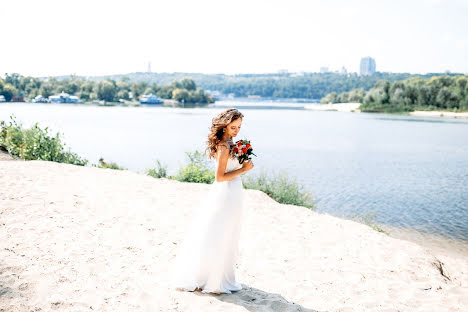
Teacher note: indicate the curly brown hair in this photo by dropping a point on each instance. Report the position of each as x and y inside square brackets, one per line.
[216, 130]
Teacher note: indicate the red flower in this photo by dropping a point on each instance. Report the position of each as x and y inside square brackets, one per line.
[239, 144]
[235, 150]
[248, 145]
[244, 150]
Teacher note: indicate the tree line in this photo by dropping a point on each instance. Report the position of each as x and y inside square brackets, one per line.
[414, 93]
[310, 86]
[108, 90]
[277, 85]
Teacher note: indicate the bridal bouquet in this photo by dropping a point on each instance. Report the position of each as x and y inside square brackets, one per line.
[242, 150]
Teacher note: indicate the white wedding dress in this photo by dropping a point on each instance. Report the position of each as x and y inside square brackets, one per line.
[208, 254]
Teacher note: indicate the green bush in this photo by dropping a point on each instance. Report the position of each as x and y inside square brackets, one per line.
[112, 165]
[35, 143]
[159, 172]
[281, 188]
[196, 171]
[446, 93]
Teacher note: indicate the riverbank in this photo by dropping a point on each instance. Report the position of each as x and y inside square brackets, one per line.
[436, 242]
[85, 238]
[439, 114]
[354, 107]
[165, 103]
[340, 107]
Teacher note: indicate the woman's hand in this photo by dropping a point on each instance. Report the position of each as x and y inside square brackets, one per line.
[247, 165]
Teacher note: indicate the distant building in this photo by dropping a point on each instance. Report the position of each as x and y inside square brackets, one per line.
[324, 69]
[149, 67]
[367, 67]
[282, 71]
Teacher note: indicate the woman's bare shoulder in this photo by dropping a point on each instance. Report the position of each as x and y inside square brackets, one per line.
[220, 145]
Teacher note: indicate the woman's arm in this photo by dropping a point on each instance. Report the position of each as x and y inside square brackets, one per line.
[221, 175]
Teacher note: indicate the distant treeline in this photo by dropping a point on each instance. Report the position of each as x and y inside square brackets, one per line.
[311, 86]
[415, 93]
[108, 90]
[280, 85]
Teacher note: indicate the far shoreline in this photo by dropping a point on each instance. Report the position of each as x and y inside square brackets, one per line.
[354, 108]
[165, 103]
[340, 107]
[439, 114]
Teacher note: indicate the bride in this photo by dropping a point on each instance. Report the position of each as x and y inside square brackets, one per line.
[209, 251]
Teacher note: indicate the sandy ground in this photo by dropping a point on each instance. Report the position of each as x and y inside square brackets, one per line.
[88, 239]
[439, 114]
[5, 156]
[340, 107]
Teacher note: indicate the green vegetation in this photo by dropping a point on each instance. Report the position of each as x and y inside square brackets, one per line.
[368, 219]
[159, 172]
[183, 86]
[112, 165]
[280, 187]
[436, 93]
[197, 170]
[310, 86]
[109, 90]
[282, 85]
[353, 96]
[35, 143]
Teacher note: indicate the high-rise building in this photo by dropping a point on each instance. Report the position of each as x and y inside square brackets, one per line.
[324, 69]
[343, 70]
[149, 67]
[367, 67]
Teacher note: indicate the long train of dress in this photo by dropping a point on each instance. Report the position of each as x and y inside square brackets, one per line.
[208, 254]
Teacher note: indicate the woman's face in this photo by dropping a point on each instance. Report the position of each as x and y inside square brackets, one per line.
[233, 127]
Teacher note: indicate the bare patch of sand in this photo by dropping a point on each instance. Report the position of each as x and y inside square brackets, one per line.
[5, 156]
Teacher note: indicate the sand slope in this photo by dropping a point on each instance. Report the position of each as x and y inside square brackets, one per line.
[87, 239]
[5, 156]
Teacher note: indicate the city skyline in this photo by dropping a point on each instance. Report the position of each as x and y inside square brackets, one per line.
[336, 70]
[53, 38]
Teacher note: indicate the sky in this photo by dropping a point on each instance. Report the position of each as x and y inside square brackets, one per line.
[100, 37]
